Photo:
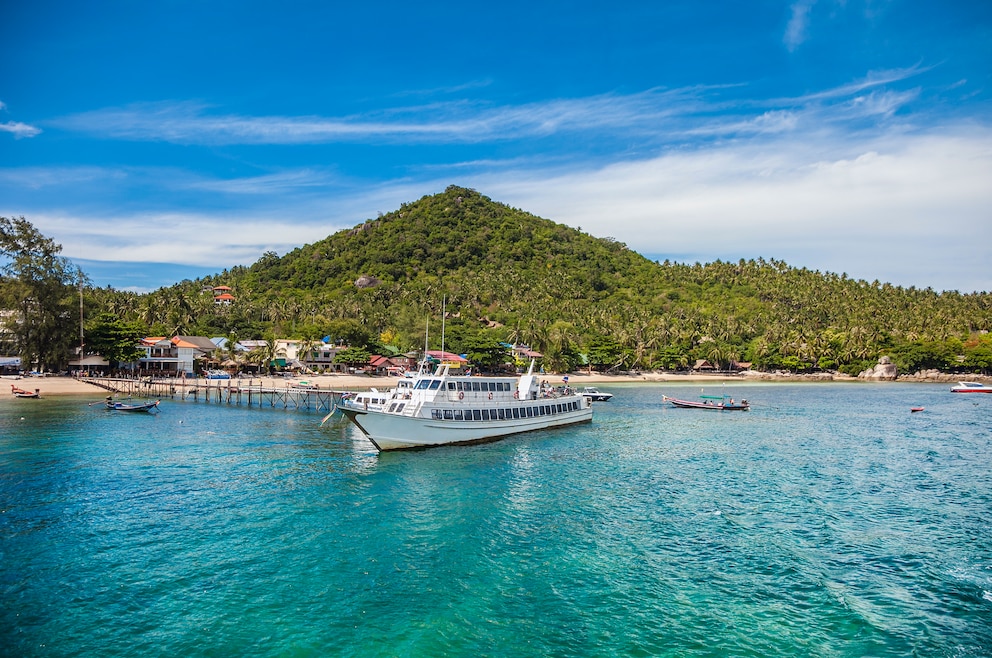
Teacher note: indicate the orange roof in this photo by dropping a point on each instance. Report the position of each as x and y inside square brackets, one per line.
[179, 342]
[221, 288]
[224, 296]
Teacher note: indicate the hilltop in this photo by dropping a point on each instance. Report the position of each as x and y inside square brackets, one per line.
[508, 275]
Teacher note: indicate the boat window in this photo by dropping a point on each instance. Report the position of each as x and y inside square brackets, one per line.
[477, 414]
[400, 407]
[500, 414]
[392, 407]
[451, 386]
[436, 414]
[543, 410]
[435, 384]
[475, 386]
[485, 414]
[458, 386]
[516, 413]
[448, 415]
[559, 408]
[530, 412]
[422, 384]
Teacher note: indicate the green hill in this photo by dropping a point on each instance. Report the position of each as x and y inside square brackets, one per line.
[507, 275]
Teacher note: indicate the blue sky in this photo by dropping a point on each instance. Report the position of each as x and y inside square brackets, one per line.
[162, 141]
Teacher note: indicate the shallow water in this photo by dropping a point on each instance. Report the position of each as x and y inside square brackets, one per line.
[827, 521]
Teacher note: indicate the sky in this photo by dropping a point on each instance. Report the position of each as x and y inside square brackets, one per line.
[163, 141]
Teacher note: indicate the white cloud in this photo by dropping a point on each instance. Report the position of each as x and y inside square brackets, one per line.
[795, 31]
[908, 210]
[19, 130]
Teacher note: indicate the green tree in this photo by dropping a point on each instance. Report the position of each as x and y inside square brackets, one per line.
[115, 339]
[40, 289]
[353, 357]
[489, 354]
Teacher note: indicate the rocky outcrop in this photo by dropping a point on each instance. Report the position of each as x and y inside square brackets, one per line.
[884, 371]
[367, 281]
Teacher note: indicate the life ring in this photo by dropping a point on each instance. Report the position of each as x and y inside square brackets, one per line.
[516, 395]
[490, 395]
[461, 395]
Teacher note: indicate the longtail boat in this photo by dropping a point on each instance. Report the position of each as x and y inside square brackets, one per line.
[24, 393]
[113, 405]
[710, 403]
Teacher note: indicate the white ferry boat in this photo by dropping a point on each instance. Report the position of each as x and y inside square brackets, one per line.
[445, 409]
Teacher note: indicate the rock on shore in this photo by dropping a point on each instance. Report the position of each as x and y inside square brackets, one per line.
[884, 370]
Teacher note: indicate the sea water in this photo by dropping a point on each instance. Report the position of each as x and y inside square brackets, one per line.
[827, 521]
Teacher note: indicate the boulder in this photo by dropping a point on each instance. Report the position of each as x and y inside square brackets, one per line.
[884, 370]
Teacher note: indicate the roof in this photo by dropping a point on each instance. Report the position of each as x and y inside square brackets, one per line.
[446, 356]
[224, 297]
[221, 288]
[201, 342]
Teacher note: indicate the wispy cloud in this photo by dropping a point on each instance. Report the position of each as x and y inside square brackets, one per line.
[19, 130]
[796, 29]
[16, 128]
[655, 114]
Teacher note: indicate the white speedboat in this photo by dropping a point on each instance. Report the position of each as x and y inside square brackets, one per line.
[444, 409]
[971, 387]
[375, 399]
[595, 394]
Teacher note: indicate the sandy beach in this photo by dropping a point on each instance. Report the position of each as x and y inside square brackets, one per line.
[52, 386]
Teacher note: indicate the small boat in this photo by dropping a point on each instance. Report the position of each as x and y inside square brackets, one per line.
[914, 410]
[595, 394]
[439, 408]
[113, 405]
[971, 387]
[24, 393]
[710, 403]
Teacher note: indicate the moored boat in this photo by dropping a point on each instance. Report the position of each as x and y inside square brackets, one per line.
[595, 394]
[710, 403]
[444, 409]
[24, 393]
[114, 405]
[971, 387]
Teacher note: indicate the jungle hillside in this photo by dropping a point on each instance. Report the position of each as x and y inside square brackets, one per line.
[506, 276]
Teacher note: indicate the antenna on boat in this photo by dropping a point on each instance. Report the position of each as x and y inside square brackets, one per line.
[444, 299]
[427, 335]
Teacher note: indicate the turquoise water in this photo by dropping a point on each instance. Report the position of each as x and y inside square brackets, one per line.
[827, 521]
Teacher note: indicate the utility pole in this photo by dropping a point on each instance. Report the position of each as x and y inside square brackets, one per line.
[79, 273]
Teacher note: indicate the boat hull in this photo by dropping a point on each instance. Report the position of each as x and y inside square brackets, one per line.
[118, 406]
[688, 404]
[394, 432]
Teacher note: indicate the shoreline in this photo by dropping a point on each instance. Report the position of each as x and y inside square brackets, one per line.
[65, 386]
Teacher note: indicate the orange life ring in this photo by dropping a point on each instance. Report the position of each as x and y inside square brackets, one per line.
[490, 395]
[461, 395]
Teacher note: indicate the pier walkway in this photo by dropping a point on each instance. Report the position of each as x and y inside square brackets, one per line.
[223, 391]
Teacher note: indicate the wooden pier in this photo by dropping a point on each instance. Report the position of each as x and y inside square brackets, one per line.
[223, 391]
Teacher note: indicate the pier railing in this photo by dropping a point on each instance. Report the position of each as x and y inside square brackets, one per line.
[223, 391]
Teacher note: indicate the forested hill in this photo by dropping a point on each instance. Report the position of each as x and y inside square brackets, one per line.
[507, 275]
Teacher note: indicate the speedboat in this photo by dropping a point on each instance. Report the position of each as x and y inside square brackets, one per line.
[971, 387]
[444, 409]
[595, 394]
